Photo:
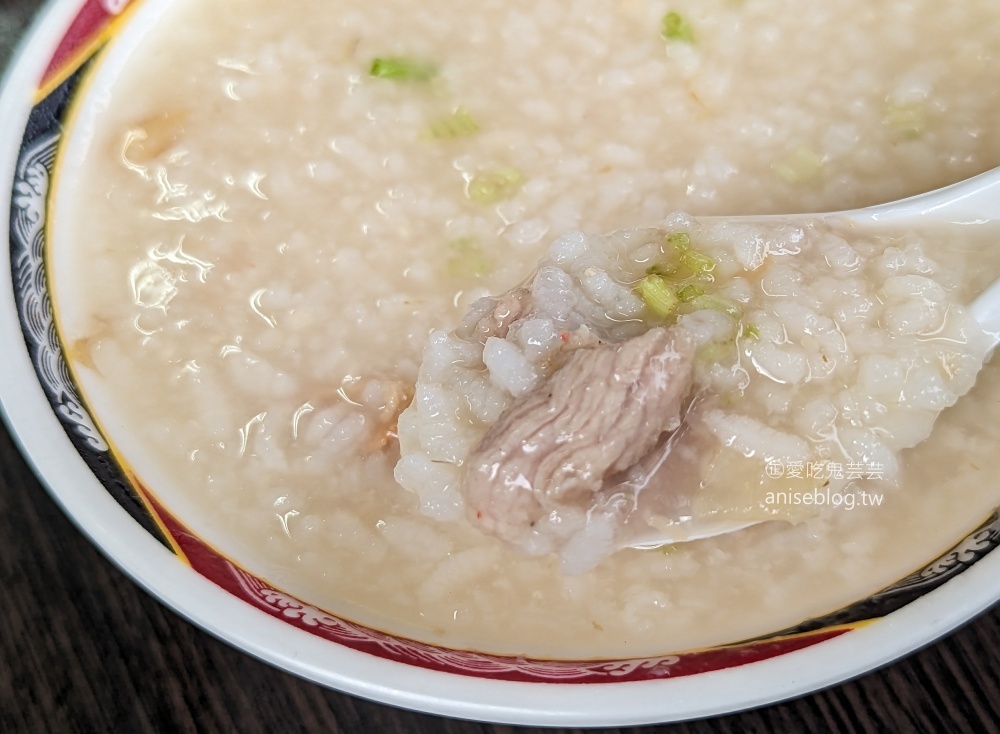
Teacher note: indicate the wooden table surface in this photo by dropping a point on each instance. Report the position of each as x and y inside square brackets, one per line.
[82, 649]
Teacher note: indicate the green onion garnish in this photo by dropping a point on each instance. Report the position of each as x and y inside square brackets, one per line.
[399, 68]
[467, 259]
[667, 270]
[490, 187]
[658, 295]
[907, 122]
[800, 165]
[680, 241]
[697, 262]
[676, 28]
[713, 303]
[689, 292]
[458, 124]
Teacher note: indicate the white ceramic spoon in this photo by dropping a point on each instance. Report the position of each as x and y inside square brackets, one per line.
[974, 201]
[970, 202]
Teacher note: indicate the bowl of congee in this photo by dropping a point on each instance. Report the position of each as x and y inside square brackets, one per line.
[457, 357]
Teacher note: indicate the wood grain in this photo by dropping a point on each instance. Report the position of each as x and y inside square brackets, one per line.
[85, 650]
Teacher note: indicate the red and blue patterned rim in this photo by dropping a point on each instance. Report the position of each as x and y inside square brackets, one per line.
[95, 23]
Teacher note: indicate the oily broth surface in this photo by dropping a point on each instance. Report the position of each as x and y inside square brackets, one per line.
[289, 228]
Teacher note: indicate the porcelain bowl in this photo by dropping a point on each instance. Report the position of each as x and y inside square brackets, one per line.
[136, 528]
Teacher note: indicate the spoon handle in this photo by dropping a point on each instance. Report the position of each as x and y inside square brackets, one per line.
[973, 201]
[986, 310]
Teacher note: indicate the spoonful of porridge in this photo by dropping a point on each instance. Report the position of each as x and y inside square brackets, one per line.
[671, 383]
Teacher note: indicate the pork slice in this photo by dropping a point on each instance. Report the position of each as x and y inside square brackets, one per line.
[596, 416]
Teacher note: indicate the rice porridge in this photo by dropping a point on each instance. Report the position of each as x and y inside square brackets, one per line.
[283, 209]
[655, 385]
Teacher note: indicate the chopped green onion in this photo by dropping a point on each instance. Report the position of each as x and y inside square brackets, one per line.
[467, 259]
[668, 549]
[697, 262]
[689, 292]
[799, 166]
[676, 28]
[680, 241]
[490, 187]
[658, 295]
[713, 303]
[751, 332]
[402, 69]
[666, 270]
[907, 122]
[458, 124]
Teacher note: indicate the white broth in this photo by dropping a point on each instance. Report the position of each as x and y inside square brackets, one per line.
[265, 232]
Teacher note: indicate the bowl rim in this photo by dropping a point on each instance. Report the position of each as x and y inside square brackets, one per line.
[41, 439]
